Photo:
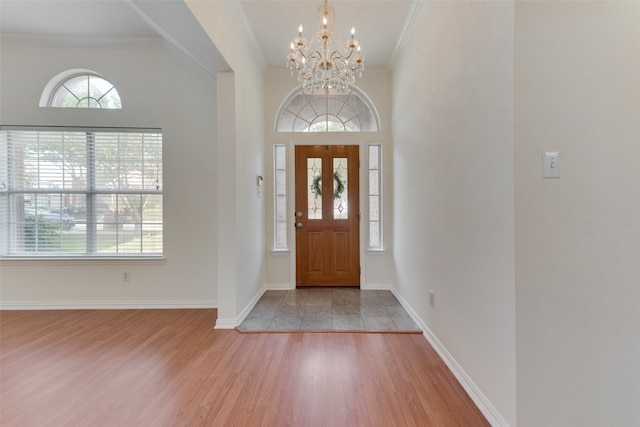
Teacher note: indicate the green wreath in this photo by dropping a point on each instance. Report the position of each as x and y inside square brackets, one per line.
[316, 186]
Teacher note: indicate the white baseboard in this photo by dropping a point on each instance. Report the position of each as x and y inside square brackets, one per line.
[106, 305]
[225, 323]
[279, 286]
[232, 323]
[376, 287]
[485, 406]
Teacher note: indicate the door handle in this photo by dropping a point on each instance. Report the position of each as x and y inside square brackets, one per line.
[298, 225]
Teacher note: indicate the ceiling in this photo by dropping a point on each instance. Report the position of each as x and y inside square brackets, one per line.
[379, 25]
[273, 24]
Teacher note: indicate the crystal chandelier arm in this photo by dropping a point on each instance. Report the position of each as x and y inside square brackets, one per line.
[314, 55]
[345, 60]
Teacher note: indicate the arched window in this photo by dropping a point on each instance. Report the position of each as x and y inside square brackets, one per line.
[80, 89]
[349, 111]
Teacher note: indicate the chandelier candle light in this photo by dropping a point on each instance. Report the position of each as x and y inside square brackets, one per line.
[319, 66]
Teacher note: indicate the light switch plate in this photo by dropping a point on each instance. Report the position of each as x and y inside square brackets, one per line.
[551, 164]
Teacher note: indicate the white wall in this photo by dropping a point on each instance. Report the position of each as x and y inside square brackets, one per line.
[157, 91]
[453, 190]
[377, 267]
[577, 91]
[224, 23]
[227, 191]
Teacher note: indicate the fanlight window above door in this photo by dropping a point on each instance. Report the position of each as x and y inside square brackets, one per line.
[80, 89]
[349, 111]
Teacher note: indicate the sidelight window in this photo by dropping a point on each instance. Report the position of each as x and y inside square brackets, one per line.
[280, 201]
[375, 197]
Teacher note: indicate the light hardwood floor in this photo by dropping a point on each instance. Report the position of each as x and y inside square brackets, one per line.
[170, 368]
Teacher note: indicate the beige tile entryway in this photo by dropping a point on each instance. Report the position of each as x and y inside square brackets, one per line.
[340, 309]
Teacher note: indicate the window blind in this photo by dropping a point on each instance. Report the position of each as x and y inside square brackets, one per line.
[80, 191]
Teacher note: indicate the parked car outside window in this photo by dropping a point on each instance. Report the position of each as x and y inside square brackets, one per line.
[52, 216]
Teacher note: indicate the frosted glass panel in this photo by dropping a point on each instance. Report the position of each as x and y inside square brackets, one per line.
[374, 208]
[374, 179]
[340, 188]
[281, 235]
[374, 235]
[281, 182]
[281, 208]
[375, 197]
[373, 156]
[280, 195]
[314, 184]
[280, 158]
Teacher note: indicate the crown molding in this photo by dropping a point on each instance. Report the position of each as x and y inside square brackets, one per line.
[24, 40]
[175, 40]
[407, 30]
[247, 31]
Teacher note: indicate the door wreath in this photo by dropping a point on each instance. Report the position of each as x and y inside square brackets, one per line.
[316, 186]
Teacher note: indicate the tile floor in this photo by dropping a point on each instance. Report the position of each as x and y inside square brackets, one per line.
[346, 309]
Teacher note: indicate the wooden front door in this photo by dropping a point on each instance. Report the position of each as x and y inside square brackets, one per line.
[327, 217]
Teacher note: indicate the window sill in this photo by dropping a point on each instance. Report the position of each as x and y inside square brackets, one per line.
[377, 252]
[280, 252]
[63, 261]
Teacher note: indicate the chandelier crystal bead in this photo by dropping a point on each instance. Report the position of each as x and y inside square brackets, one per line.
[318, 65]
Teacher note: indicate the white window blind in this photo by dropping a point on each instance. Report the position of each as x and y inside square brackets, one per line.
[80, 192]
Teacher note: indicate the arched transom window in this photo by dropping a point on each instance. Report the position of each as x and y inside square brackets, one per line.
[349, 111]
[80, 89]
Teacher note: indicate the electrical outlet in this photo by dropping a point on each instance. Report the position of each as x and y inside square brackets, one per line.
[126, 276]
[432, 298]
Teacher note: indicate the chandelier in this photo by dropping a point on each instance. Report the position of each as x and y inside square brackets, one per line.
[319, 66]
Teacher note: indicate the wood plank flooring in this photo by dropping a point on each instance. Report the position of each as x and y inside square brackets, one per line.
[170, 368]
